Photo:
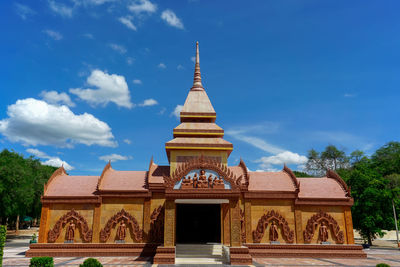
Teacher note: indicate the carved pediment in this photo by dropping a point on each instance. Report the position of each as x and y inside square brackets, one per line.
[202, 179]
[115, 219]
[79, 220]
[318, 218]
[184, 175]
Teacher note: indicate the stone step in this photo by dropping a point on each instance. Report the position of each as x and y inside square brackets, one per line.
[198, 254]
[198, 261]
[198, 250]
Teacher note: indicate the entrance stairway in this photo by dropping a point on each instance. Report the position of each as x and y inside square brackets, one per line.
[198, 254]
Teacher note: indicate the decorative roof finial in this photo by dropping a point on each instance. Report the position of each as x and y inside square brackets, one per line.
[197, 85]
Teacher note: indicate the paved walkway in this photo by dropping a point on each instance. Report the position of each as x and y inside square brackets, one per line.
[14, 255]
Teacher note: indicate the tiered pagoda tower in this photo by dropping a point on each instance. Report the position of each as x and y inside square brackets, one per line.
[198, 134]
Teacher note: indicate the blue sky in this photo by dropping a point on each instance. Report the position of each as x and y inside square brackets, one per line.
[84, 81]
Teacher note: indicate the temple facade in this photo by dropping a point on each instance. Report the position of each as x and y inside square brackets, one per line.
[196, 199]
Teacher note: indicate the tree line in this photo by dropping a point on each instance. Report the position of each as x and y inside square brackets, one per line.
[374, 181]
[21, 186]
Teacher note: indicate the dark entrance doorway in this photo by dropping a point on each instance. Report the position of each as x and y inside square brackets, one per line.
[198, 223]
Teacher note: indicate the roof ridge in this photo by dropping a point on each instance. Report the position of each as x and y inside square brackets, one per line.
[106, 168]
[333, 175]
[60, 171]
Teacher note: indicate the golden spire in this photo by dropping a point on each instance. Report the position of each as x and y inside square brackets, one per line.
[197, 85]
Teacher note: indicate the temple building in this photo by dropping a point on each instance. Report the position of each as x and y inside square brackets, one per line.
[196, 199]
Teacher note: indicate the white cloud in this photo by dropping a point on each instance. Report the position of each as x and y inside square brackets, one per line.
[193, 59]
[142, 6]
[127, 141]
[119, 48]
[266, 127]
[24, 11]
[348, 95]
[53, 97]
[257, 142]
[127, 21]
[35, 122]
[137, 81]
[111, 88]
[130, 60]
[88, 35]
[61, 9]
[53, 34]
[282, 158]
[51, 161]
[177, 111]
[242, 134]
[162, 111]
[162, 66]
[92, 2]
[57, 162]
[180, 67]
[37, 153]
[114, 157]
[171, 19]
[149, 102]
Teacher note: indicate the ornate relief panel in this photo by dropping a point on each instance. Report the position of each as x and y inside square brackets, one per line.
[79, 222]
[274, 217]
[201, 179]
[242, 226]
[117, 218]
[202, 173]
[324, 219]
[157, 225]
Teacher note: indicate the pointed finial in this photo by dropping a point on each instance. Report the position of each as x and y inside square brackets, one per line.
[197, 85]
[197, 53]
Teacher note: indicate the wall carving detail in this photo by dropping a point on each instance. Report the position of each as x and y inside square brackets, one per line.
[202, 162]
[202, 182]
[262, 224]
[115, 219]
[157, 225]
[80, 223]
[317, 219]
[246, 173]
[242, 226]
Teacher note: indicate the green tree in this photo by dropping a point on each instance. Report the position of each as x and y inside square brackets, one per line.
[302, 174]
[356, 156]
[373, 181]
[331, 158]
[21, 185]
[371, 202]
[387, 159]
[394, 193]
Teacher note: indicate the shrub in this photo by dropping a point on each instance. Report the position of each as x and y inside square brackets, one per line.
[3, 233]
[42, 262]
[91, 262]
[382, 265]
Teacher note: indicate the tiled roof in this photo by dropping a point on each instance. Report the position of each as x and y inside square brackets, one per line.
[199, 141]
[320, 188]
[156, 173]
[65, 185]
[198, 102]
[271, 181]
[201, 126]
[124, 180]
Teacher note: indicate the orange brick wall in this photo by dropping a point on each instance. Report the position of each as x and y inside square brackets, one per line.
[111, 206]
[58, 210]
[261, 206]
[337, 212]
